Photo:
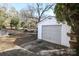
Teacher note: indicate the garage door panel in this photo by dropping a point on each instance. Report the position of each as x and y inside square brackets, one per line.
[52, 33]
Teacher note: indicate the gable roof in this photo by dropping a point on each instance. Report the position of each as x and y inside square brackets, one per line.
[48, 18]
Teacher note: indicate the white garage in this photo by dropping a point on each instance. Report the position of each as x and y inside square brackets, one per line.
[50, 32]
[53, 32]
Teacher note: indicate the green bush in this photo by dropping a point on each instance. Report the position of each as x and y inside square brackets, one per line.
[14, 22]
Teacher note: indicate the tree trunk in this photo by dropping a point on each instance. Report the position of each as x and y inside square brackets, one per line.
[74, 41]
[77, 37]
[11, 27]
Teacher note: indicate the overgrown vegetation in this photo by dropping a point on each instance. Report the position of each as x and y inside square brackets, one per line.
[25, 18]
[69, 12]
[14, 23]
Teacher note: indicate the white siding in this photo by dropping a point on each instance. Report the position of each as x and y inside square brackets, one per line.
[39, 32]
[48, 22]
[45, 22]
[64, 38]
[52, 33]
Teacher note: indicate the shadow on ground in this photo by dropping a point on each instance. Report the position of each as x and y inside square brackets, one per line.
[25, 38]
[16, 52]
[27, 41]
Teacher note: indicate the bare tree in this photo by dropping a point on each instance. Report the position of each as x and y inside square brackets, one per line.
[42, 9]
[38, 10]
[25, 14]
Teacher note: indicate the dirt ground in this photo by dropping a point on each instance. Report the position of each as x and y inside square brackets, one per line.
[27, 43]
[18, 38]
[6, 43]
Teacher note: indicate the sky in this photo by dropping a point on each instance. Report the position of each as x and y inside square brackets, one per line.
[19, 6]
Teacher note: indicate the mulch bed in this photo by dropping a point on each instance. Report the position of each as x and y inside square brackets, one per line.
[35, 47]
[17, 52]
[26, 37]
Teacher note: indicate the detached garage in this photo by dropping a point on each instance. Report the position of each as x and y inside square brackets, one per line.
[53, 32]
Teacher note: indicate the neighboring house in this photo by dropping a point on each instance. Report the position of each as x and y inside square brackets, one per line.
[53, 32]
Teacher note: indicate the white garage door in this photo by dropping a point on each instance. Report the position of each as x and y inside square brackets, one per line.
[52, 33]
